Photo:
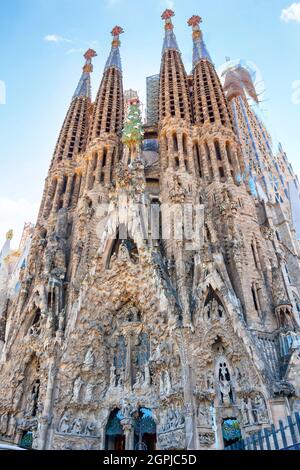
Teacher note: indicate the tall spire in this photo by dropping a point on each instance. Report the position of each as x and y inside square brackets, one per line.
[114, 59]
[108, 113]
[200, 50]
[170, 41]
[84, 85]
[174, 95]
[73, 135]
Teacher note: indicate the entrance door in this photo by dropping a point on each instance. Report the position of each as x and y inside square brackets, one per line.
[114, 434]
[231, 431]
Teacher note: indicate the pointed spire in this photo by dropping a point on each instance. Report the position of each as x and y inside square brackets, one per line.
[114, 59]
[200, 51]
[170, 41]
[84, 86]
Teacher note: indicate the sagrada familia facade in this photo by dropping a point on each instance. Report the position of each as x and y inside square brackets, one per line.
[159, 307]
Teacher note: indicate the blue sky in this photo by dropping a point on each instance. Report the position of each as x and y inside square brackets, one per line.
[41, 48]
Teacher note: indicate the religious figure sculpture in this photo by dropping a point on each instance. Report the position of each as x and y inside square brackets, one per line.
[89, 359]
[77, 389]
[77, 426]
[64, 424]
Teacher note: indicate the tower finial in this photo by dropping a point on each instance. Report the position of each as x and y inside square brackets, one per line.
[116, 31]
[114, 59]
[170, 39]
[89, 55]
[84, 86]
[200, 50]
[167, 15]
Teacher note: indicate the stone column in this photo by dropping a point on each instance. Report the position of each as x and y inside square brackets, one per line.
[89, 172]
[58, 194]
[163, 152]
[180, 151]
[204, 161]
[128, 428]
[213, 160]
[99, 165]
[46, 416]
[225, 161]
[76, 188]
[107, 179]
[67, 197]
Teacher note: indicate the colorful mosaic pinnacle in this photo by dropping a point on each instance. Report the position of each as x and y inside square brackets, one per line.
[133, 130]
[114, 59]
[170, 39]
[89, 55]
[200, 51]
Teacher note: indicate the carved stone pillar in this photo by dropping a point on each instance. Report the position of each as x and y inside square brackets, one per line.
[128, 428]
[89, 173]
[67, 197]
[128, 368]
[171, 162]
[225, 161]
[203, 160]
[58, 194]
[107, 179]
[77, 186]
[46, 416]
[99, 165]
[214, 165]
[180, 151]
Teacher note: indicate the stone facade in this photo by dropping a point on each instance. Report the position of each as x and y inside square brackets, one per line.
[130, 336]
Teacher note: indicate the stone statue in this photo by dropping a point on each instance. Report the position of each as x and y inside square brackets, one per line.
[126, 410]
[121, 379]
[90, 429]
[61, 320]
[77, 426]
[89, 391]
[3, 423]
[168, 385]
[138, 380]
[147, 381]
[204, 415]
[244, 412]
[12, 427]
[260, 409]
[225, 389]
[250, 412]
[64, 424]
[77, 389]
[89, 359]
[210, 380]
[112, 380]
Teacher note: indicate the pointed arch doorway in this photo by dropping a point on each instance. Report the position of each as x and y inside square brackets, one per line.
[144, 430]
[114, 433]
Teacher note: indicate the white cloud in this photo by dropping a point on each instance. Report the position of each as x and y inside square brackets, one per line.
[292, 13]
[55, 38]
[170, 4]
[296, 92]
[13, 214]
[74, 50]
